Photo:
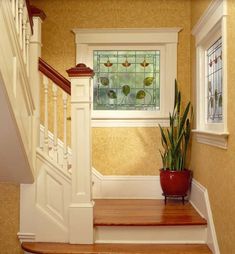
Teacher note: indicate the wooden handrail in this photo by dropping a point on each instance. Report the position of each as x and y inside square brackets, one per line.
[54, 75]
[36, 12]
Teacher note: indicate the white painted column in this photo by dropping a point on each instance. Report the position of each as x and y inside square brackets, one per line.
[81, 208]
[35, 79]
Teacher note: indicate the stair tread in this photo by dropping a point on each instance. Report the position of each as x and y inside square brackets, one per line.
[145, 212]
[63, 248]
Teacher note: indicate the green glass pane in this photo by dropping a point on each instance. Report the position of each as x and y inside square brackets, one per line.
[126, 80]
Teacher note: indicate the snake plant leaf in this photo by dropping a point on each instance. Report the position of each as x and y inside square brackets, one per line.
[179, 102]
[183, 119]
[148, 81]
[216, 95]
[112, 94]
[140, 94]
[104, 81]
[220, 100]
[212, 102]
[163, 135]
[176, 93]
[126, 89]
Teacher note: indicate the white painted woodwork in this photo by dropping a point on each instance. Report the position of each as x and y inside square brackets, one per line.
[81, 207]
[199, 198]
[17, 15]
[125, 187]
[20, 15]
[24, 27]
[44, 206]
[61, 149]
[17, 96]
[65, 148]
[211, 26]
[28, 31]
[13, 4]
[45, 144]
[55, 145]
[163, 39]
[151, 235]
[35, 79]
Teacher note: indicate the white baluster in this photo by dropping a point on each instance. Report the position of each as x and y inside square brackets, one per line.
[13, 8]
[28, 33]
[20, 10]
[45, 145]
[65, 153]
[55, 141]
[24, 27]
[17, 15]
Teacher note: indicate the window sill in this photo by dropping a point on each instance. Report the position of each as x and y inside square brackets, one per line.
[218, 139]
[108, 123]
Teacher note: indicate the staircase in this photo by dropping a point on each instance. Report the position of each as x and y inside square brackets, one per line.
[69, 202]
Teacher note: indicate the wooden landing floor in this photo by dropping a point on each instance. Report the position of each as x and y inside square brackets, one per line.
[136, 212]
[62, 248]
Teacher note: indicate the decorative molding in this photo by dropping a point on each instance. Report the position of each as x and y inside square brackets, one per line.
[212, 15]
[199, 198]
[212, 138]
[54, 75]
[26, 237]
[119, 35]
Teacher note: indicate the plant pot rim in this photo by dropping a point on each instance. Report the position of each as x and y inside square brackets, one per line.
[169, 170]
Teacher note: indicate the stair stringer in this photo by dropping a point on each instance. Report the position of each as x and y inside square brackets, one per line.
[17, 104]
[44, 204]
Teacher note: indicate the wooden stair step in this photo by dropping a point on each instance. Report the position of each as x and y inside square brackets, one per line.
[63, 248]
[145, 212]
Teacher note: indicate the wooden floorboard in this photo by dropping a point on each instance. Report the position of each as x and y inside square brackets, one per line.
[61, 248]
[137, 212]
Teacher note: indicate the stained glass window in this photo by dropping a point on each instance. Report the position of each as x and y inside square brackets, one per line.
[126, 80]
[215, 83]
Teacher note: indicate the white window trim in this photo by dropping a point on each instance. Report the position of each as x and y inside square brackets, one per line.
[165, 39]
[211, 25]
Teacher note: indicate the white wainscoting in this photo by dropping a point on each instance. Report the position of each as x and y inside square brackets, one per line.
[199, 198]
[139, 187]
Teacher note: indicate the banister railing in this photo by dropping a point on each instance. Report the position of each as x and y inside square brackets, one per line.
[24, 26]
[54, 75]
[54, 80]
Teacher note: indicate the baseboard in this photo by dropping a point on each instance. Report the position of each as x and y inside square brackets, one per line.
[126, 187]
[26, 237]
[200, 200]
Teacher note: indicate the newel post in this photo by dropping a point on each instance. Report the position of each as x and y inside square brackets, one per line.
[81, 208]
[35, 45]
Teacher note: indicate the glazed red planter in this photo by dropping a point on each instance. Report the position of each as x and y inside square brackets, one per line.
[175, 183]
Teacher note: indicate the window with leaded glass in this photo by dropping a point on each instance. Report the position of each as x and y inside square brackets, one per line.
[215, 83]
[126, 80]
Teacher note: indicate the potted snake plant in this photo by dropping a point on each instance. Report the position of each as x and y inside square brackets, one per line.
[175, 178]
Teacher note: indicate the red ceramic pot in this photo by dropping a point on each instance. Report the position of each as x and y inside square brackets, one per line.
[175, 183]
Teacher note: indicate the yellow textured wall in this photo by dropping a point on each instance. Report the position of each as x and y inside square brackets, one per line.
[9, 218]
[213, 167]
[116, 151]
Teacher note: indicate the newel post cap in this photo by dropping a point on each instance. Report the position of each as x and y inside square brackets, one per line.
[80, 70]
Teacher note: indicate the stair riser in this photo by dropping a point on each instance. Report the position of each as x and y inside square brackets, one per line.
[160, 234]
